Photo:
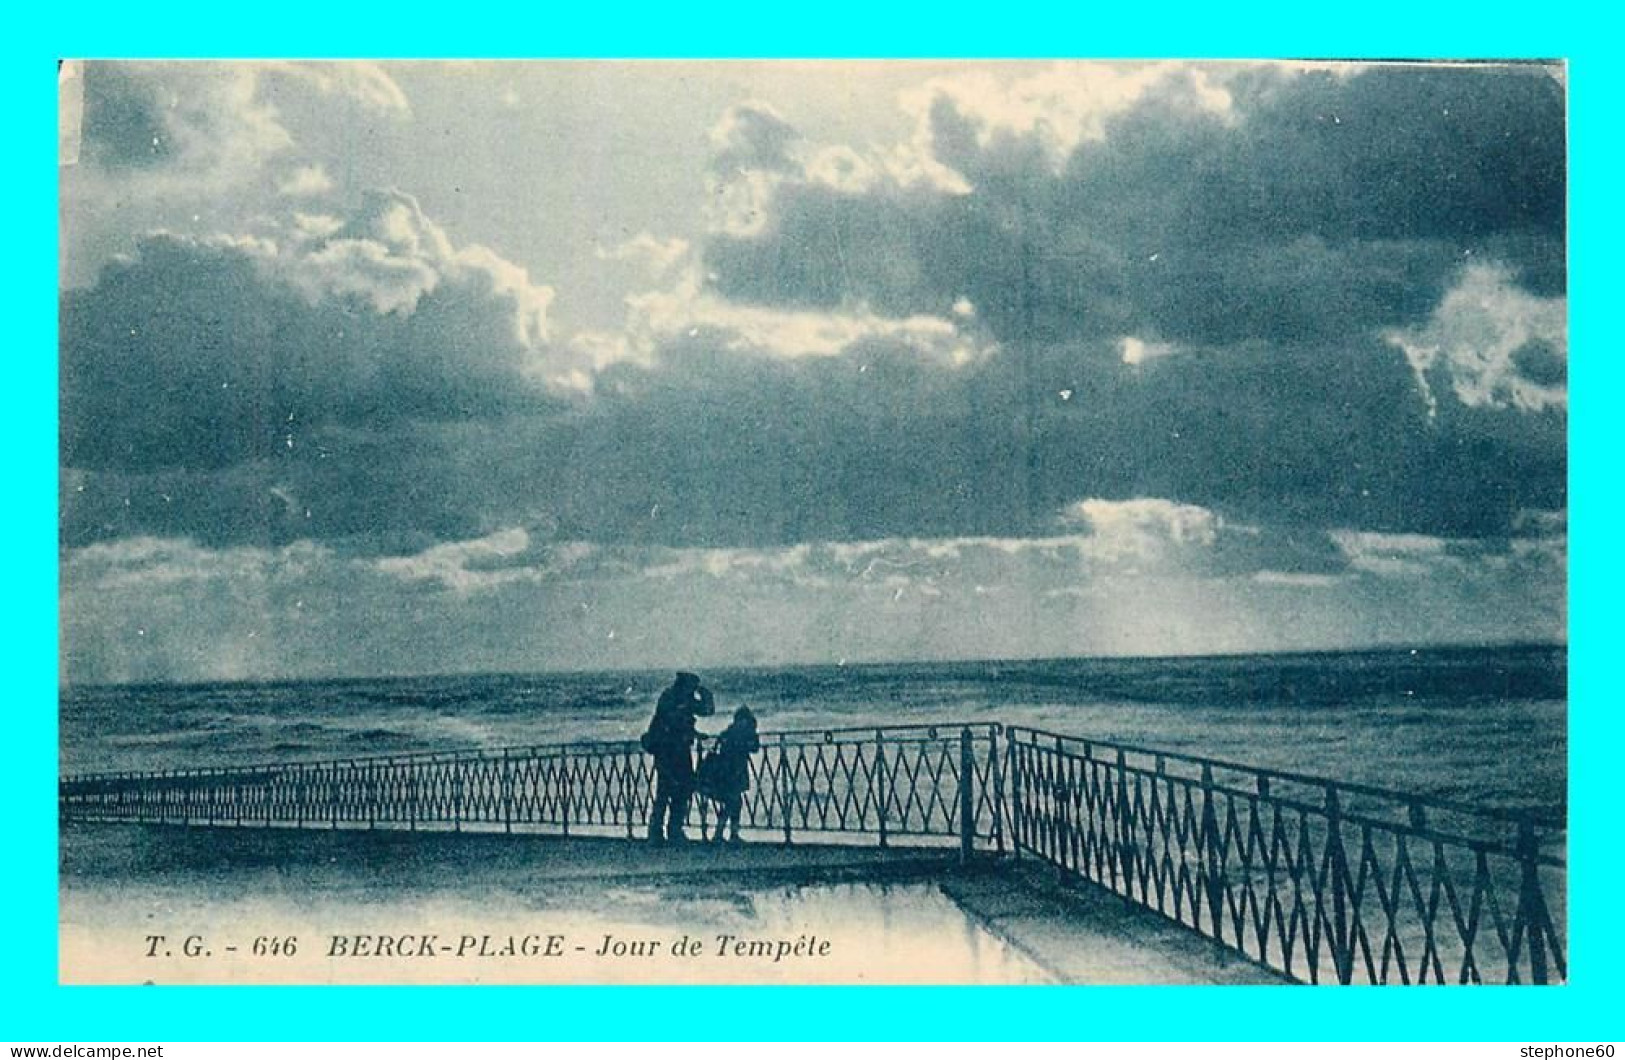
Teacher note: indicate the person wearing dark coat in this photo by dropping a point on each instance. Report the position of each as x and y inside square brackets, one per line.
[670, 739]
[734, 747]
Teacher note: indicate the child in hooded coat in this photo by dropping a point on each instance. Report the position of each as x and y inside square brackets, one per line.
[731, 780]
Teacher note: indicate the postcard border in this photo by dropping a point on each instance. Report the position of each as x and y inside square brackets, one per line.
[43, 1011]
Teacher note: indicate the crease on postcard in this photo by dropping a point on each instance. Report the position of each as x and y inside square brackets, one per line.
[70, 97]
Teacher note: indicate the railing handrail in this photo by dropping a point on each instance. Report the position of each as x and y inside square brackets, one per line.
[1538, 818]
[1304, 874]
[898, 733]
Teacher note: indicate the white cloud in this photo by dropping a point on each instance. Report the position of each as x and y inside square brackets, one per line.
[755, 152]
[1142, 528]
[843, 169]
[1138, 351]
[390, 254]
[741, 563]
[1057, 108]
[1391, 555]
[650, 252]
[158, 564]
[216, 128]
[503, 558]
[1296, 579]
[316, 225]
[456, 564]
[531, 301]
[151, 608]
[1394, 555]
[390, 283]
[1538, 550]
[654, 318]
[1133, 536]
[1495, 345]
[366, 83]
[306, 181]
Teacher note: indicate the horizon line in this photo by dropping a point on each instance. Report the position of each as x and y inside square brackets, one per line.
[64, 684]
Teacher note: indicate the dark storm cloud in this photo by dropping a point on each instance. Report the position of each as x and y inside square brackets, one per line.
[1138, 358]
[181, 128]
[123, 123]
[708, 450]
[1536, 361]
[1315, 204]
[1257, 255]
[824, 450]
[752, 136]
[1264, 247]
[205, 354]
[1397, 152]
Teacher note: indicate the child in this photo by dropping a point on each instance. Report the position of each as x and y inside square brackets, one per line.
[735, 745]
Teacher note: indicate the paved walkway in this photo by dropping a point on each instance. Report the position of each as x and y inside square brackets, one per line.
[93, 850]
[115, 876]
[1083, 934]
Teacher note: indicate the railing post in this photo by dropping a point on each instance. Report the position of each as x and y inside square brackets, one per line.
[1062, 782]
[628, 801]
[1337, 858]
[411, 796]
[995, 776]
[699, 807]
[1125, 827]
[456, 796]
[1013, 771]
[1531, 903]
[967, 796]
[1211, 856]
[878, 779]
[564, 793]
[507, 793]
[786, 783]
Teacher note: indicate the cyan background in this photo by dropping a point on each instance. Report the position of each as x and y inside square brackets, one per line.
[32, 1007]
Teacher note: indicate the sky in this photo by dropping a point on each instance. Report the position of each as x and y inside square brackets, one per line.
[388, 368]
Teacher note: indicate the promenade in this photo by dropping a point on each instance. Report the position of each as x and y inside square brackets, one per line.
[1317, 880]
[889, 916]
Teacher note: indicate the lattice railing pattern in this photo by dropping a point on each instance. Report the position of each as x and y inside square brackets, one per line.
[889, 783]
[1319, 880]
[1322, 881]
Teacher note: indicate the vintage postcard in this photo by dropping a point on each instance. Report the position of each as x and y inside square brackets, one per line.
[813, 522]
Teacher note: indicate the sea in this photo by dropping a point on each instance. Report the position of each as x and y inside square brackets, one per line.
[1487, 726]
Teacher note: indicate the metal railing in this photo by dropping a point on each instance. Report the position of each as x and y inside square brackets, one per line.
[1319, 880]
[897, 783]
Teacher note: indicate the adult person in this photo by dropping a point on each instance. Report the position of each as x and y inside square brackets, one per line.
[670, 739]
